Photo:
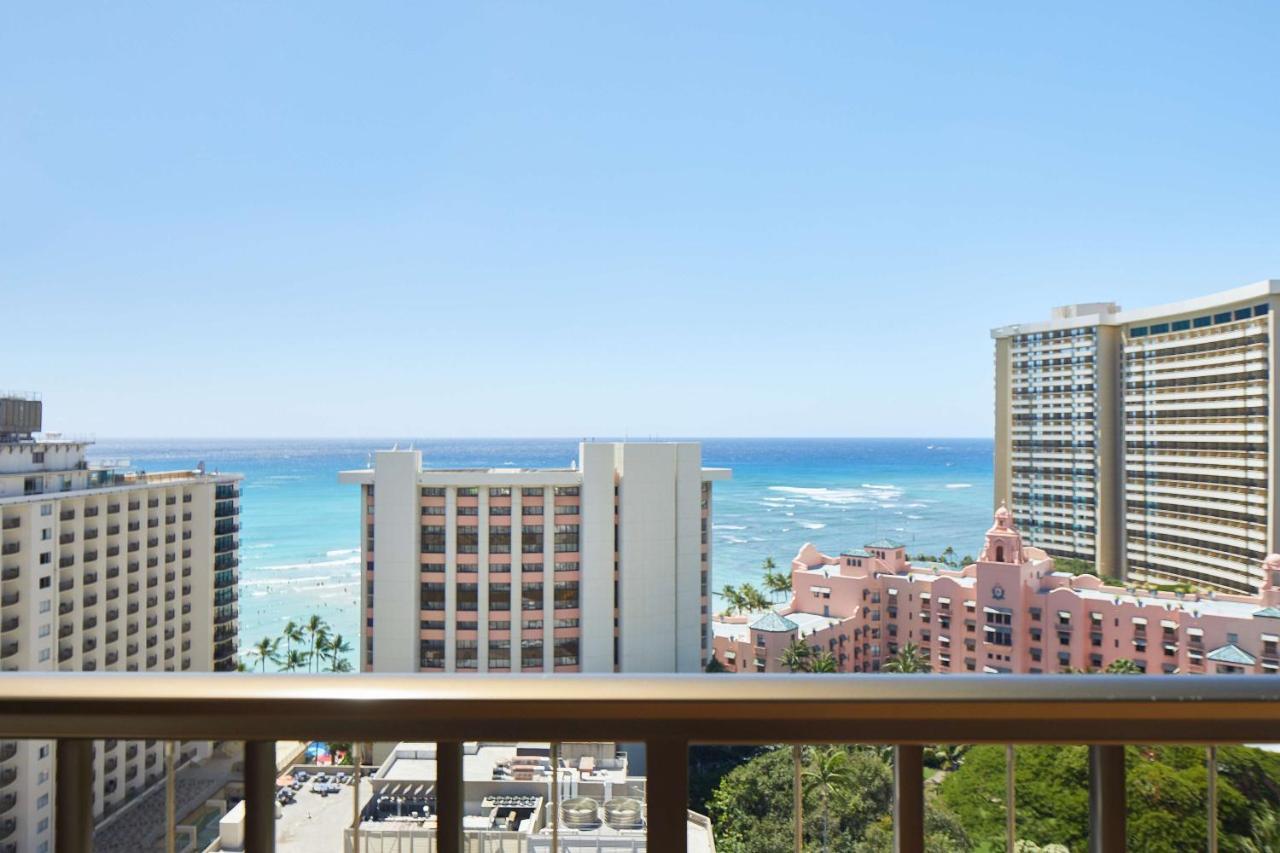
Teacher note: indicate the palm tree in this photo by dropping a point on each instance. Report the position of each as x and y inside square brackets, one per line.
[296, 660]
[768, 565]
[1122, 666]
[908, 659]
[714, 665]
[733, 600]
[338, 649]
[316, 629]
[948, 555]
[823, 661]
[752, 598]
[265, 650]
[829, 776]
[777, 582]
[291, 634]
[795, 657]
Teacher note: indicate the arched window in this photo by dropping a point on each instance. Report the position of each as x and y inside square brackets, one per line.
[999, 553]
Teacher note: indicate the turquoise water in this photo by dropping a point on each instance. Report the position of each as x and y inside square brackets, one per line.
[300, 533]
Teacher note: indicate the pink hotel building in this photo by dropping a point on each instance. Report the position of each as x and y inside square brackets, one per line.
[603, 566]
[1008, 612]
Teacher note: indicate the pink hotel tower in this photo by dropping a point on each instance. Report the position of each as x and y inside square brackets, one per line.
[1008, 612]
[603, 566]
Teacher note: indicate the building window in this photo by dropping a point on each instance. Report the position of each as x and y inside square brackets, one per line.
[500, 492]
[499, 596]
[566, 595]
[468, 539]
[567, 651]
[432, 654]
[466, 654]
[433, 539]
[499, 654]
[532, 509]
[499, 540]
[531, 596]
[531, 654]
[433, 492]
[566, 537]
[433, 596]
[531, 538]
[566, 491]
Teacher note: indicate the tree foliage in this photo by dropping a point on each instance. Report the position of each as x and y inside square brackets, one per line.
[1167, 787]
[751, 808]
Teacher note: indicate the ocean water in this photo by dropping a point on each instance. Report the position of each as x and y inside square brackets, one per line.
[300, 528]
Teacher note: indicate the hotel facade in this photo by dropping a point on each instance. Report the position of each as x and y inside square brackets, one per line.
[603, 566]
[1007, 612]
[104, 571]
[1144, 441]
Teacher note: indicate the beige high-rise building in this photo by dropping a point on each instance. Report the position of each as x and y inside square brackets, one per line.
[1142, 440]
[108, 571]
[604, 566]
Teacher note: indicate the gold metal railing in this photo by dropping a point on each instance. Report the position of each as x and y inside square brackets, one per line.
[667, 712]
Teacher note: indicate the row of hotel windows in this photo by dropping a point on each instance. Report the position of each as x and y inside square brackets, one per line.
[1200, 322]
[1202, 383]
[432, 653]
[500, 491]
[1217, 346]
[468, 596]
[494, 509]
[499, 625]
[1028, 390]
[1054, 335]
[1055, 362]
[468, 539]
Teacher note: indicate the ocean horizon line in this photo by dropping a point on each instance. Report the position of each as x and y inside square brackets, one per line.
[120, 438]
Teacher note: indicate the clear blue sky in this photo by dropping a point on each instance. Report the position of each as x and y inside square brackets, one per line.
[248, 219]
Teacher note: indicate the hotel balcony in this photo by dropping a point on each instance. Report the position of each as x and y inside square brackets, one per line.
[668, 713]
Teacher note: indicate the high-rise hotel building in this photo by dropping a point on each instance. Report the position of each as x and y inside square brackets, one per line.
[1143, 440]
[603, 566]
[108, 571]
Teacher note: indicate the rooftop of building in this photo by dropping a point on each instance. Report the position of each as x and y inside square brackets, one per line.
[1110, 314]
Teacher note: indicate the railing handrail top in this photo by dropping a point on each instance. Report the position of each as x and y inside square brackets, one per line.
[228, 688]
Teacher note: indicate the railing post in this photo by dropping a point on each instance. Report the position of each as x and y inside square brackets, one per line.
[260, 796]
[1106, 799]
[449, 795]
[170, 819]
[1010, 802]
[667, 795]
[355, 797]
[908, 799]
[73, 797]
[797, 797]
[1213, 799]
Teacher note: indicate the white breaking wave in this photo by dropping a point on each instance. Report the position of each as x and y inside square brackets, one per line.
[915, 517]
[811, 525]
[321, 564]
[826, 495]
[959, 485]
[341, 551]
[280, 581]
[728, 527]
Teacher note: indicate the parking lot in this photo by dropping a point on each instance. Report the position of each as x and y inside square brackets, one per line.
[314, 822]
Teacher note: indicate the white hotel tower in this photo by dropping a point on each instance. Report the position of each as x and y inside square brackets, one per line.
[101, 570]
[600, 567]
[1145, 440]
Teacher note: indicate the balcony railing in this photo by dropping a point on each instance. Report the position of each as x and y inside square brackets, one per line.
[667, 712]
